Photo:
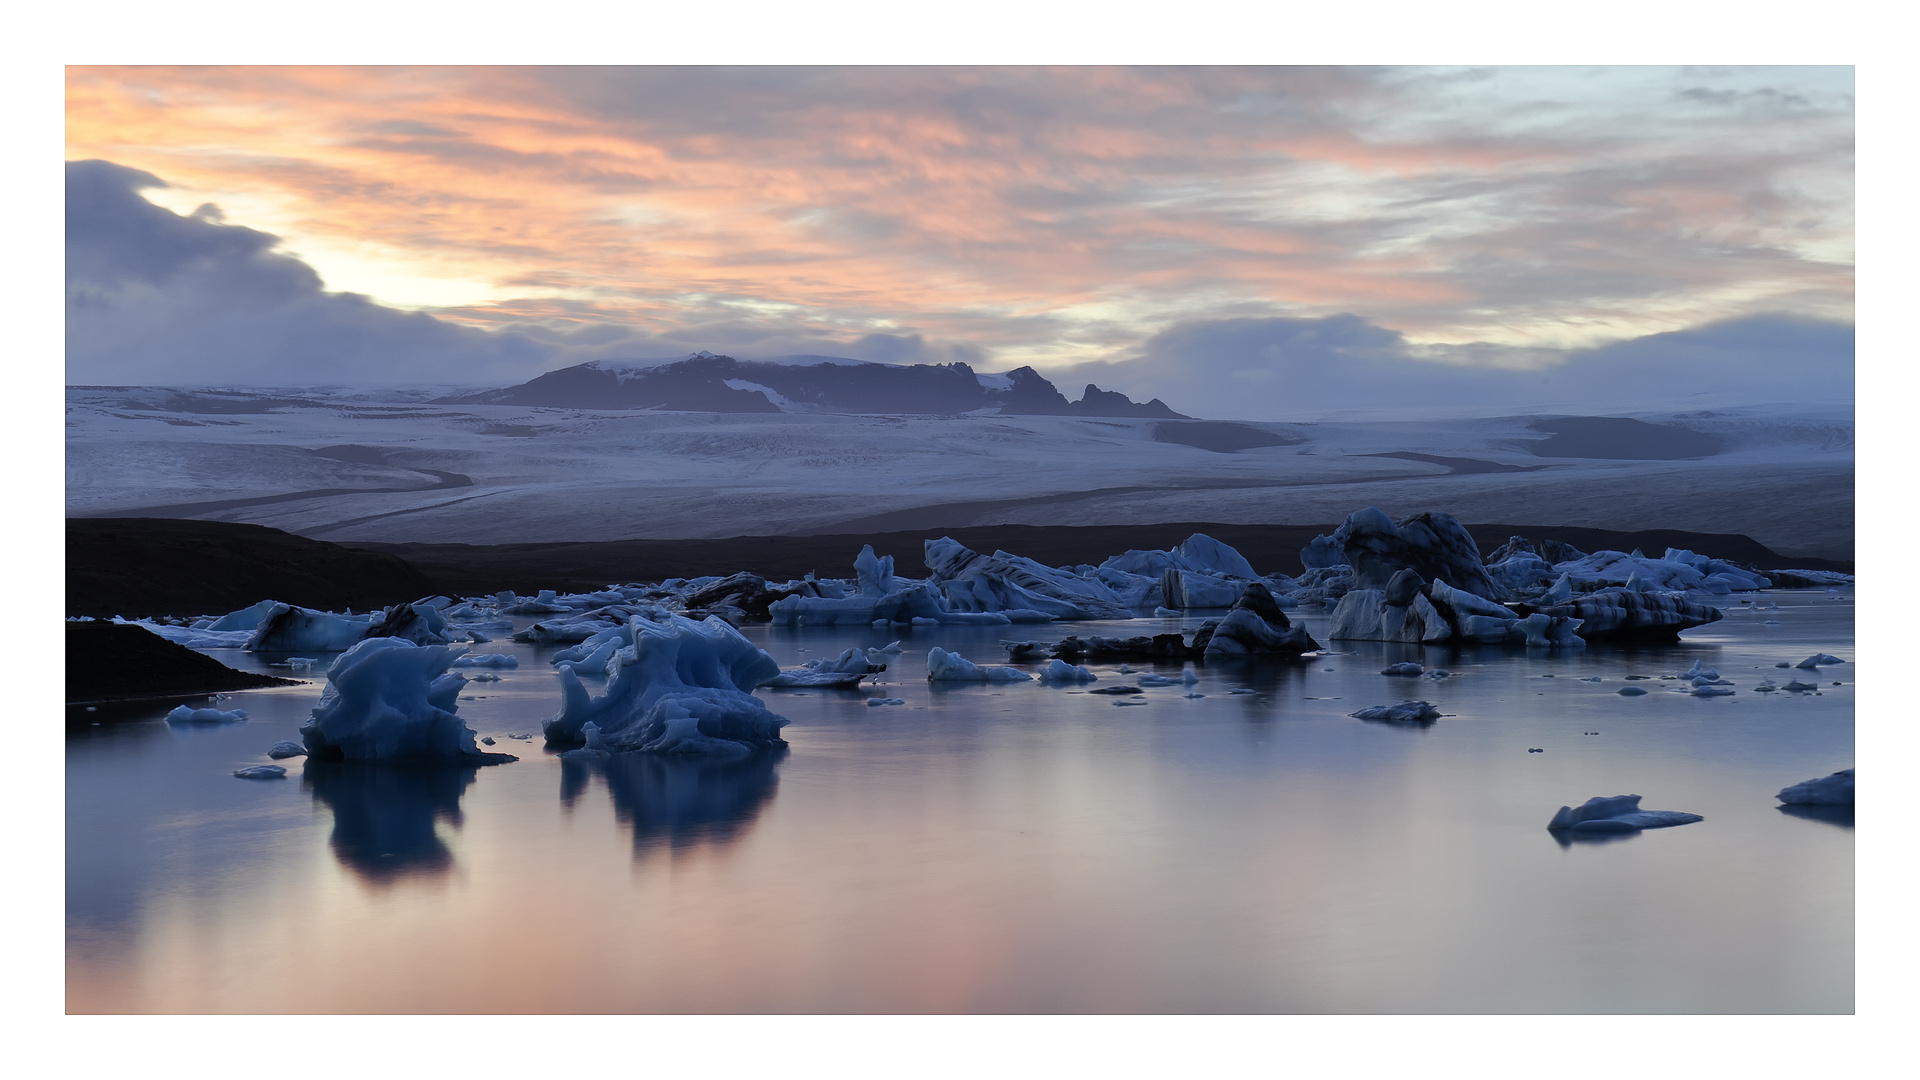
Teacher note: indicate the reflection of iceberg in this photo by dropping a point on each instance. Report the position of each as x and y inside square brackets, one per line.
[1832, 815]
[681, 801]
[384, 816]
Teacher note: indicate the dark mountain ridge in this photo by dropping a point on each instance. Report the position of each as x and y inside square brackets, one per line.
[705, 382]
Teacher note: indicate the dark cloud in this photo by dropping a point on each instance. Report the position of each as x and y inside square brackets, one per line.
[1272, 369]
[155, 297]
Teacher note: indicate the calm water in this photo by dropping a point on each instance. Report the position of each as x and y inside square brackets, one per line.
[1007, 849]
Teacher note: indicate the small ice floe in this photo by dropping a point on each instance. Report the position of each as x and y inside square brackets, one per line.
[879, 655]
[1407, 712]
[1125, 670]
[487, 660]
[1631, 691]
[1834, 790]
[485, 676]
[1437, 674]
[1130, 703]
[876, 702]
[943, 666]
[1818, 660]
[487, 740]
[476, 636]
[1617, 813]
[1167, 613]
[1407, 668]
[286, 748]
[1591, 678]
[301, 663]
[185, 715]
[1190, 697]
[261, 772]
[1150, 679]
[1796, 684]
[1710, 690]
[1243, 690]
[1766, 687]
[1059, 671]
[1783, 663]
[846, 671]
[1117, 690]
[1536, 750]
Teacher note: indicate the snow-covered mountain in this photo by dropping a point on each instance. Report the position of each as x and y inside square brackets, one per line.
[705, 382]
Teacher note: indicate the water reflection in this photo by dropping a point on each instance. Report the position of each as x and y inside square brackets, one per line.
[679, 802]
[1567, 838]
[385, 816]
[1832, 815]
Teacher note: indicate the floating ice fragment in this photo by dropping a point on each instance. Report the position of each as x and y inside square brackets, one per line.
[1796, 684]
[1407, 712]
[1818, 660]
[1117, 690]
[1405, 668]
[487, 741]
[1243, 690]
[1061, 671]
[1167, 613]
[1591, 678]
[261, 772]
[1617, 813]
[943, 666]
[874, 702]
[286, 748]
[185, 715]
[487, 660]
[1631, 691]
[1711, 690]
[1834, 790]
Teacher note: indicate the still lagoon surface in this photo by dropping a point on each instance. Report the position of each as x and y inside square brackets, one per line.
[1009, 849]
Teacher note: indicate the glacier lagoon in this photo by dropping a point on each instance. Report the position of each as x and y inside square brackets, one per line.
[1010, 848]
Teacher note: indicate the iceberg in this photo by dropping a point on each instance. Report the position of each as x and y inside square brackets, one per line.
[1435, 546]
[1059, 671]
[185, 715]
[261, 772]
[286, 748]
[972, 582]
[388, 699]
[682, 687]
[846, 671]
[1834, 790]
[1626, 613]
[192, 637]
[1255, 627]
[1406, 668]
[247, 618]
[287, 628]
[1617, 813]
[1817, 661]
[943, 666]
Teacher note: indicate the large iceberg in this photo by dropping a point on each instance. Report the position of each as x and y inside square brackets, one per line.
[1834, 790]
[681, 687]
[1435, 546]
[1617, 813]
[287, 628]
[388, 699]
[879, 598]
[972, 582]
[1630, 613]
[1255, 627]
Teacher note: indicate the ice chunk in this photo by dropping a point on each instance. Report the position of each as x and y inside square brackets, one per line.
[487, 660]
[1624, 613]
[1150, 679]
[1365, 615]
[1407, 712]
[874, 574]
[1630, 691]
[1255, 627]
[1834, 790]
[1436, 546]
[1167, 613]
[943, 666]
[1405, 668]
[185, 715]
[296, 629]
[1617, 813]
[286, 748]
[1796, 684]
[846, 671]
[261, 772]
[1061, 671]
[1710, 690]
[875, 702]
[388, 699]
[972, 582]
[682, 687]
[1817, 661]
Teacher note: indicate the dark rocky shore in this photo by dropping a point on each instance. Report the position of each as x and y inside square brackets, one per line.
[109, 664]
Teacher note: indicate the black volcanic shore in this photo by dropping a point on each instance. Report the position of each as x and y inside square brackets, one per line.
[136, 567]
[145, 667]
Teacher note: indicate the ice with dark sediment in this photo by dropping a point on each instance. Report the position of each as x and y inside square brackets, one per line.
[1833, 790]
[287, 628]
[944, 666]
[1630, 613]
[682, 687]
[1403, 668]
[1406, 712]
[1435, 546]
[1255, 627]
[1817, 661]
[286, 748]
[1616, 813]
[388, 699]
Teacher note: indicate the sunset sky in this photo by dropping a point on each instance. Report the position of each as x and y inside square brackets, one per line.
[1134, 225]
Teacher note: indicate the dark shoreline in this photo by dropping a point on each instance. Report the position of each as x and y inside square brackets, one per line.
[138, 567]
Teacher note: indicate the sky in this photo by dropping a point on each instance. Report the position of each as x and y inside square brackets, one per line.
[1237, 241]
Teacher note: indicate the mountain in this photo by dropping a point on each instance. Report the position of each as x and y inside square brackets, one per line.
[705, 382]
